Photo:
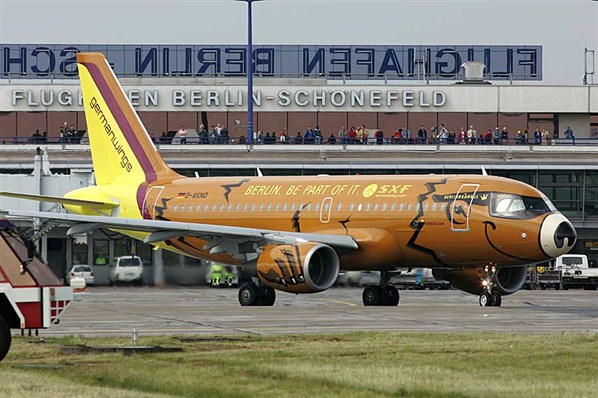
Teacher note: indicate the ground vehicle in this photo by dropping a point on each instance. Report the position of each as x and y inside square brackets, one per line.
[222, 276]
[81, 271]
[126, 269]
[31, 296]
[576, 272]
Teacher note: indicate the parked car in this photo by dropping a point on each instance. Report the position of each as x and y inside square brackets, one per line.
[126, 269]
[83, 271]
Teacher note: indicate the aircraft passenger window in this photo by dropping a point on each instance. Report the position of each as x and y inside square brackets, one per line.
[214, 208]
[417, 207]
[400, 207]
[442, 205]
[292, 207]
[260, 207]
[408, 207]
[376, 207]
[325, 207]
[284, 207]
[392, 207]
[425, 206]
[252, 208]
[244, 206]
[175, 207]
[367, 207]
[221, 208]
[434, 205]
[197, 208]
[205, 207]
[308, 207]
[237, 207]
[359, 207]
[276, 207]
[229, 207]
[351, 207]
[190, 208]
[316, 207]
[339, 207]
[384, 206]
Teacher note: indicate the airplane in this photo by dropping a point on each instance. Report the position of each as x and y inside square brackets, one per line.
[295, 234]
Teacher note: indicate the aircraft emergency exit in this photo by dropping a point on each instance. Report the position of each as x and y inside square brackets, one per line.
[295, 234]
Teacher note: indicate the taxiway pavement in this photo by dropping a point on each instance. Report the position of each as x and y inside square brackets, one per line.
[204, 311]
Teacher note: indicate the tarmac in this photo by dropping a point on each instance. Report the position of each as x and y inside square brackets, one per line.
[116, 311]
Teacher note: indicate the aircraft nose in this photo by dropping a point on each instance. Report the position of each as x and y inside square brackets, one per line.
[557, 235]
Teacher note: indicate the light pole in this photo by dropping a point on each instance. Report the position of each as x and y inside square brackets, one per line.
[249, 73]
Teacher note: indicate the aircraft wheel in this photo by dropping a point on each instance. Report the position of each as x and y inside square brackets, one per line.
[5, 338]
[248, 294]
[496, 299]
[372, 295]
[391, 296]
[485, 299]
[267, 296]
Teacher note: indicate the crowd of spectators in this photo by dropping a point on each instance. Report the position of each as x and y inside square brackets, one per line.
[360, 135]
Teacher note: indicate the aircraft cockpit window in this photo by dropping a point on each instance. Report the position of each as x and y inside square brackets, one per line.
[515, 206]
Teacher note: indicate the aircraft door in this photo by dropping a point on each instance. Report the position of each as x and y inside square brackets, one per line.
[149, 209]
[325, 210]
[461, 207]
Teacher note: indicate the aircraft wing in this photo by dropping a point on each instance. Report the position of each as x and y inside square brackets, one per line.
[219, 236]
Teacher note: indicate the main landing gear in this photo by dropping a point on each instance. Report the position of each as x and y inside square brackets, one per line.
[490, 297]
[251, 294]
[382, 294]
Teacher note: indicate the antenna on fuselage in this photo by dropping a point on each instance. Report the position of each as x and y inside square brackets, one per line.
[259, 171]
[484, 173]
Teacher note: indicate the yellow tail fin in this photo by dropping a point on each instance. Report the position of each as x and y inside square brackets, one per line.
[121, 148]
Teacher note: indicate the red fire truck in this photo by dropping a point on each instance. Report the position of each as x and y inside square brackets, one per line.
[31, 296]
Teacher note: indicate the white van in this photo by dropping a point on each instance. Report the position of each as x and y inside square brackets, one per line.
[571, 261]
[126, 269]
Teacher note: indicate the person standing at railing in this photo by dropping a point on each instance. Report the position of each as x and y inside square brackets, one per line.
[496, 136]
[317, 135]
[182, 133]
[379, 134]
[471, 135]
[537, 137]
[569, 134]
[282, 137]
[504, 136]
[462, 136]
[352, 135]
[396, 136]
[545, 137]
[422, 134]
[406, 135]
[343, 134]
[451, 137]
[443, 134]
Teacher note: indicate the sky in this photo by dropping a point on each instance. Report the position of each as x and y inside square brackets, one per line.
[563, 28]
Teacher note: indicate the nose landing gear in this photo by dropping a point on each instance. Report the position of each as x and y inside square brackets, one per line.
[490, 297]
[382, 294]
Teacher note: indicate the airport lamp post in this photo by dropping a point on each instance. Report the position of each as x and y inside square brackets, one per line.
[249, 72]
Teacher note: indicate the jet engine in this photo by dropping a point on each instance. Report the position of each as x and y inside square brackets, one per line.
[506, 280]
[299, 268]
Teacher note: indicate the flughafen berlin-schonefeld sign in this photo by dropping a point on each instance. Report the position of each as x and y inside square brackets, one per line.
[358, 62]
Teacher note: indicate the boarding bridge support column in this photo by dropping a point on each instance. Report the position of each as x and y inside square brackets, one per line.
[158, 268]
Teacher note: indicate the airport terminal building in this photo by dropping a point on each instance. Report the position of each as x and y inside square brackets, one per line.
[384, 88]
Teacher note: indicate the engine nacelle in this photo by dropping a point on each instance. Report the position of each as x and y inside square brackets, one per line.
[506, 280]
[300, 268]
